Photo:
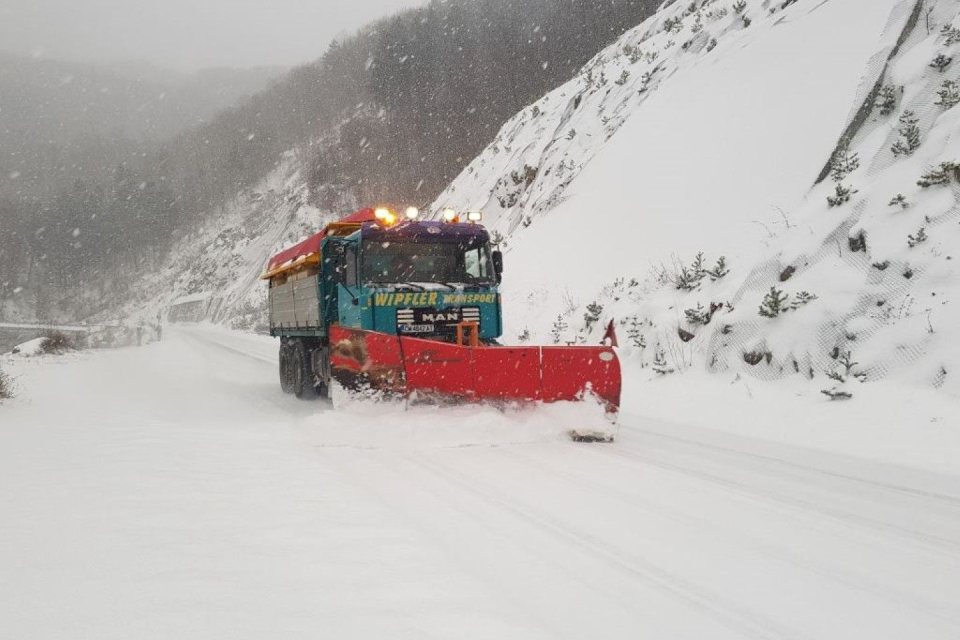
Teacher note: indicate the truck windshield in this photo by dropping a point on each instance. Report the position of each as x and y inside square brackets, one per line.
[441, 262]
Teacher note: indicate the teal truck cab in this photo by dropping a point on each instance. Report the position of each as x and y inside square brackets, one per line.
[375, 272]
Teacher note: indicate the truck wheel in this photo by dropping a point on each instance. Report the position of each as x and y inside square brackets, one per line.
[286, 377]
[304, 385]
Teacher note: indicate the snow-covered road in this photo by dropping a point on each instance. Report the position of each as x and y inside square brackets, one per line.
[174, 492]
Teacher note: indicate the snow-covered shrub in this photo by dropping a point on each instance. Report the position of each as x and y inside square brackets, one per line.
[673, 25]
[841, 196]
[622, 80]
[899, 200]
[773, 303]
[57, 343]
[886, 100]
[941, 62]
[689, 278]
[660, 361]
[801, 299]
[842, 374]
[938, 176]
[948, 95]
[843, 163]
[712, 44]
[719, 270]
[635, 335]
[592, 315]
[739, 6]
[950, 34]
[919, 238]
[559, 326]
[909, 135]
[701, 315]
[698, 315]
[6, 386]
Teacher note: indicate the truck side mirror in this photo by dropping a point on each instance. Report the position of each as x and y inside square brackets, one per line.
[498, 265]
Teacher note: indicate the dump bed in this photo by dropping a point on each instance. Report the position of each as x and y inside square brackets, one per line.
[295, 304]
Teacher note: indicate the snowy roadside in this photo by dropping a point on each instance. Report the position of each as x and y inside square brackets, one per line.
[883, 422]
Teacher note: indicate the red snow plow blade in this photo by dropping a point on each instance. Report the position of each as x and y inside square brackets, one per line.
[401, 365]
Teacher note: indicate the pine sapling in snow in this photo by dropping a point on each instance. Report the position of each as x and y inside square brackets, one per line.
[949, 95]
[635, 335]
[592, 315]
[801, 299]
[909, 135]
[660, 362]
[941, 62]
[899, 200]
[719, 270]
[739, 6]
[950, 34]
[938, 176]
[559, 326]
[886, 100]
[841, 196]
[841, 375]
[622, 80]
[773, 303]
[843, 162]
[699, 315]
[919, 238]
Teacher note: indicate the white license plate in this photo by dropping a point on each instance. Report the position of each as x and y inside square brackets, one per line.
[418, 328]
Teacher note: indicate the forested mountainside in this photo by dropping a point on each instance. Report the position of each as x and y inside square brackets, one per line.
[390, 114]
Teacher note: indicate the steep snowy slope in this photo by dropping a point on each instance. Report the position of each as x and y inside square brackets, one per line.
[733, 109]
[720, 124]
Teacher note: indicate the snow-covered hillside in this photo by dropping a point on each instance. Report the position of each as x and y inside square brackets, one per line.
[705, 130]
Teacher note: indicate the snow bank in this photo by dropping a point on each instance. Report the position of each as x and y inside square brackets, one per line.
[30, 348]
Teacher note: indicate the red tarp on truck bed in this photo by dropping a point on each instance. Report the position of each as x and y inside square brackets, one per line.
[312, 244]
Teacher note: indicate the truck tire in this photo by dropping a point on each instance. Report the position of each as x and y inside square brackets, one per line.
[286, 371]
[304, 383]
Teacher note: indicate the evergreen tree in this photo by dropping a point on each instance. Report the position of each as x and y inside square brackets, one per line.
[909, 135]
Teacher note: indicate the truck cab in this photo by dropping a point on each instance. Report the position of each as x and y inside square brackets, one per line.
[417, 278]
[373, 272]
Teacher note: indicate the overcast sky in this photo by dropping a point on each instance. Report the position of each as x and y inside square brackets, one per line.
[185, 34]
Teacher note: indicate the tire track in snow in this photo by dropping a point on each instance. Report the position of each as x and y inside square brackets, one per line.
[813, 471]
[928, 542]
[733, 617]
[784, 554]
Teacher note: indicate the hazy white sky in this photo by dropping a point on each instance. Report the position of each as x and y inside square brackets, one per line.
[185, 34]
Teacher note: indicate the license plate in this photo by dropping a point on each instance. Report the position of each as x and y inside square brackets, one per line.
[417, 328]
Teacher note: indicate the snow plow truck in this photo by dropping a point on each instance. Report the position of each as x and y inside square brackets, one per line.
[381, 304]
